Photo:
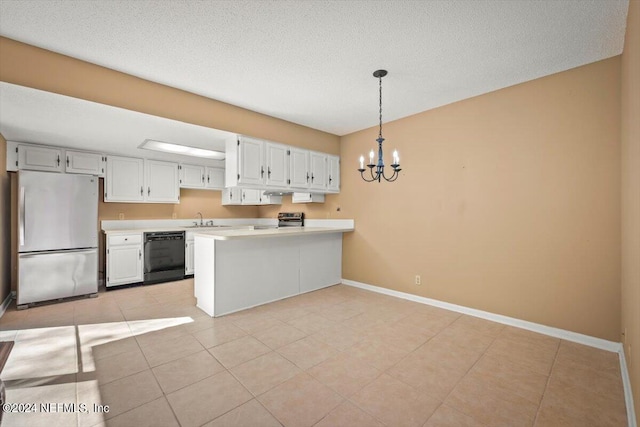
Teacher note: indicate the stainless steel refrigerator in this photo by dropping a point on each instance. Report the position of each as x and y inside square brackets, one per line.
[57, 236]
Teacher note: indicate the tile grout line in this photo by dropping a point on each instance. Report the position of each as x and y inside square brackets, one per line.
[546, 386]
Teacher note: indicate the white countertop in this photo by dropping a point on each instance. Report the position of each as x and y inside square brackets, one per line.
[232, 229]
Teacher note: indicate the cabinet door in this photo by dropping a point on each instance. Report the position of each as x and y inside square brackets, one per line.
[270, 199]
[232, 196]
[299, 168]
[162, 184]
[39, 158]
[125, 180]
[333, 169]
[250, 158]
[86, 163]
[192, 176]
[124, 264]
[277, 164]
[215, 178]
[189, 253]
[251, 196]
[318, 162]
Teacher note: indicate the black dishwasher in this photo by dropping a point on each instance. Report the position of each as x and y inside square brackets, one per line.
[163, 256]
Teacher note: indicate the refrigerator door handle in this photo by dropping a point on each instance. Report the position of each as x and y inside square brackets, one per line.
[21, 216]
[73, 251]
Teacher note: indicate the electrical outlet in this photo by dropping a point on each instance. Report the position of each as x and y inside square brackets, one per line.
[418, 280]
[120, 215]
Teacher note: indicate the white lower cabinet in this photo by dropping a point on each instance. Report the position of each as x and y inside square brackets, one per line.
[189, 254]
[124, 259]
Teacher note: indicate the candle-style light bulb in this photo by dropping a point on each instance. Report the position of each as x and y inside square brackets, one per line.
[361, 162]
[371, 157]
[396, 158]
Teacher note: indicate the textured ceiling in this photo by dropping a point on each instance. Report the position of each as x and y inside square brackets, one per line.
[31, 115]
[310, 62]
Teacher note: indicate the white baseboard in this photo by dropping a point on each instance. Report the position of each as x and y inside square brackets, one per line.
[7, 301]
[626, 384]
[599, 343]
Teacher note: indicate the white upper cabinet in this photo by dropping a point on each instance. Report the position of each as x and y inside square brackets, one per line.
[203, 177]
[250, 160]
[299, 168]
[248, 196]
[232, 196]
[318, 170]
[333, 171]
[86, 163]
[192, 176]
[38, 158]
[125, 180]
[136, 180]
[215, 178]
[276, 162]
[244, 162]
[251, 196]
[162, 182]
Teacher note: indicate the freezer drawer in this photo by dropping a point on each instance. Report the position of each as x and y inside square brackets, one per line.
[52, 275]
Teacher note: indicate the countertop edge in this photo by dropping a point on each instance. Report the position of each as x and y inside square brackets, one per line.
[277, 232]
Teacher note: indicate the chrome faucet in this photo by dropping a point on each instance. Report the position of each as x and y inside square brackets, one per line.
[201, 223]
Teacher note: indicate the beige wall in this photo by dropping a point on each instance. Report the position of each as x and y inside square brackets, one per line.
[30, 66]
[508, 202]
[630, 136]
[5, 215]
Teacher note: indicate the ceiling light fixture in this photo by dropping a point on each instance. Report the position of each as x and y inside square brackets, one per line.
[379, 74]
[185, 150]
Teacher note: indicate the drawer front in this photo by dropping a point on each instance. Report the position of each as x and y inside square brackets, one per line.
[125, 239]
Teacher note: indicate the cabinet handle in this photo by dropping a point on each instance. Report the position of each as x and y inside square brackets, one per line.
[148, 191]
[141, 191]
[261, 171]
[139, 254]
[208, 179]
[269, 172]
[307, 177]
[231, 194]
[243, 195]
[58, 159]
[312, 178]
[203, 178]
[67, 161]
[329, 179]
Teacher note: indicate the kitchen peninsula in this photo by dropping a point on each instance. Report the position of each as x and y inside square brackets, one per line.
[236, 263]
[242, 268]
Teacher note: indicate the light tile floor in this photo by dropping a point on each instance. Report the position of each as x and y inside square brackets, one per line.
[336, 357]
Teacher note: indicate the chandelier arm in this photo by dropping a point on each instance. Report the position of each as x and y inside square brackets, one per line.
[365, 179]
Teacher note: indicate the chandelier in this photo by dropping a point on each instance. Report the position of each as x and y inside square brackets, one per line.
[379, 173]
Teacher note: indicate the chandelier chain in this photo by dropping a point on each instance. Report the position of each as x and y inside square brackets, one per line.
[380, 131]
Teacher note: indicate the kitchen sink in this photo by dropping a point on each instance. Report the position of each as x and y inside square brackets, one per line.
[208, 226]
